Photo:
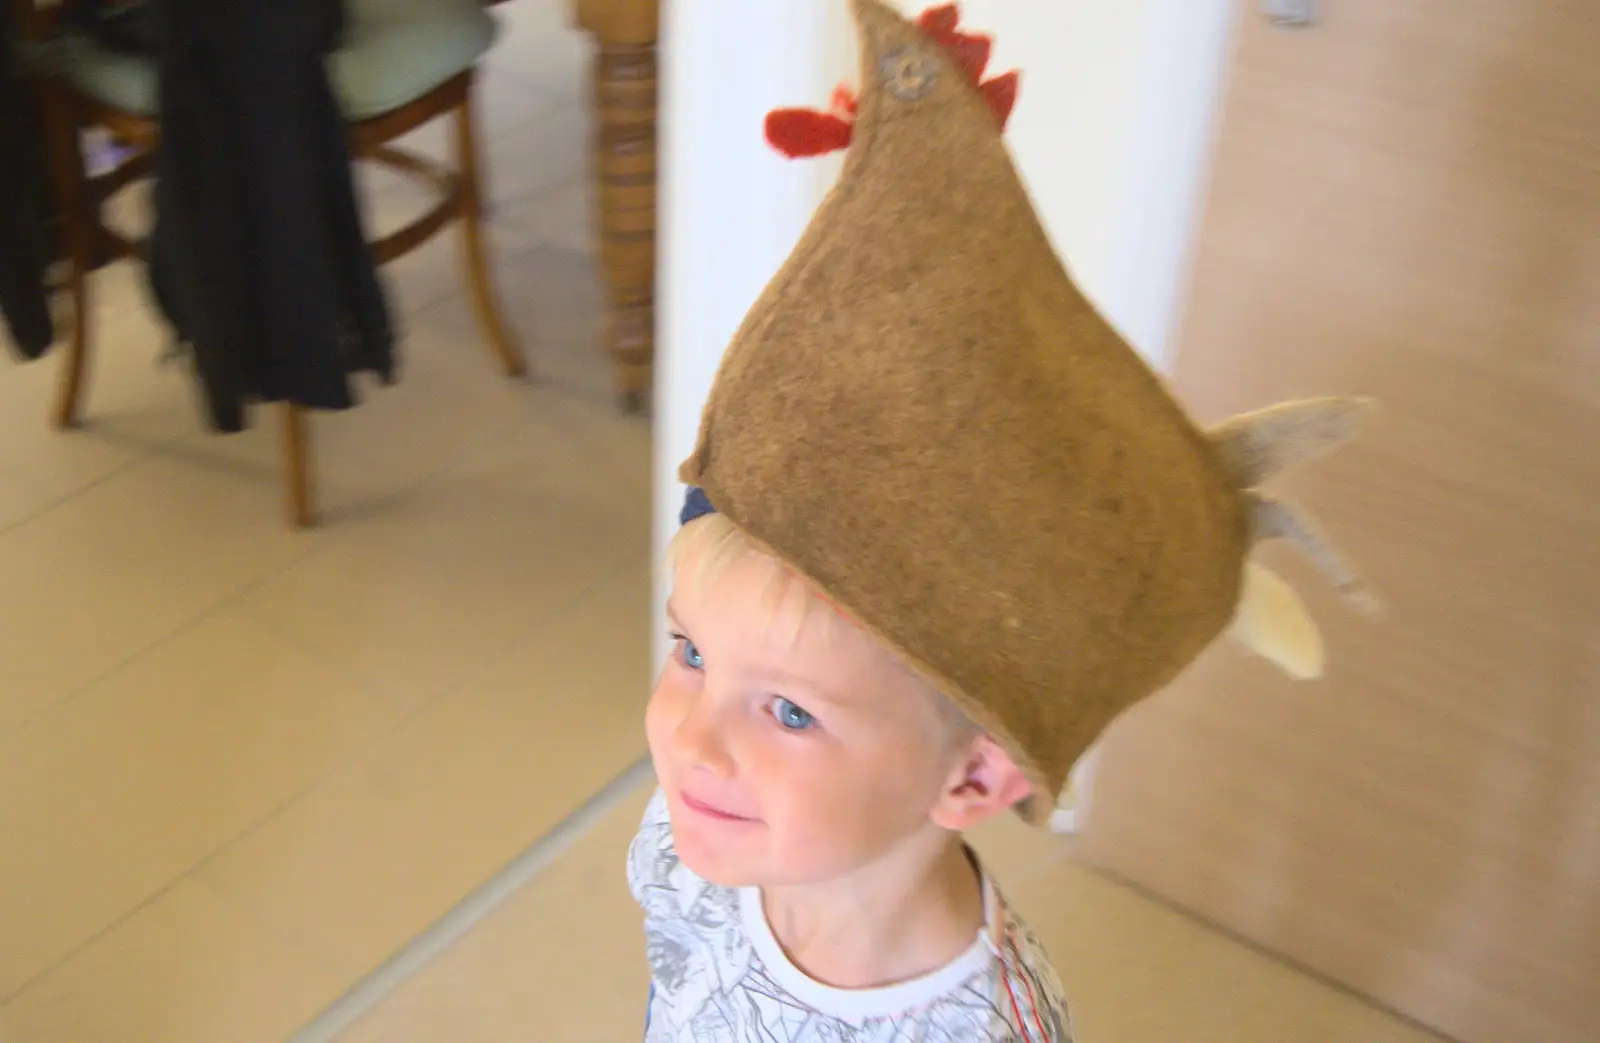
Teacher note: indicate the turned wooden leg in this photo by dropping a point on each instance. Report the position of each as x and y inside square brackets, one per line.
[484, 298]
[625, 95]
[72, 194]
[299, 492]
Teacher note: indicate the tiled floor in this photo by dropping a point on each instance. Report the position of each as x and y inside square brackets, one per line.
[240, 767]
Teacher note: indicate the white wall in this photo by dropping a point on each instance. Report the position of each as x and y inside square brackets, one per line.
[1111, 133]
[730, 207]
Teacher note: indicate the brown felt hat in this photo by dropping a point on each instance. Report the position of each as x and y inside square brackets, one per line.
[925, 417]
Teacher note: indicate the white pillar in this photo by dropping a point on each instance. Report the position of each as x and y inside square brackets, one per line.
[730, 208]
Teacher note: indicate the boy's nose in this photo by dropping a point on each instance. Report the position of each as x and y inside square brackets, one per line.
[699, 741]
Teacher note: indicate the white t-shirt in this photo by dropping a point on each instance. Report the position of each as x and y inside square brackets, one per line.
[719, 975]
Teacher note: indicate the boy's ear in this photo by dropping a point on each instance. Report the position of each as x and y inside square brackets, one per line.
[987, 783]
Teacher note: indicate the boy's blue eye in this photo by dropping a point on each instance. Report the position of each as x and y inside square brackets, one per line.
[791, 716]
[691, 655]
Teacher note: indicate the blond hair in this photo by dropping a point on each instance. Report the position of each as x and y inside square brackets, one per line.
[706, 547]
[703, 549]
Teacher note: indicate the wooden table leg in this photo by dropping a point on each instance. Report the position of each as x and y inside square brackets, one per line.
[625, 99]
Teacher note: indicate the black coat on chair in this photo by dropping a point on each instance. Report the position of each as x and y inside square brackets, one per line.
[258, 254]
[26, 210]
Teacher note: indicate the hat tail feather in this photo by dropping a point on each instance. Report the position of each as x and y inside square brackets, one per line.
[1271, 619]
[1260, 446]
[1273, 622]
[1275, 519]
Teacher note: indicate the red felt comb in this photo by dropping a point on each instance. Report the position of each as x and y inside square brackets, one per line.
[801, 132]
[946, 18]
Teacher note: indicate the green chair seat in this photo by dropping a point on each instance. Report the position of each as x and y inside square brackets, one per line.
[394, 52]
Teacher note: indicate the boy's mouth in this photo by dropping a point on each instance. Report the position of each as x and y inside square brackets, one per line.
[711, 811]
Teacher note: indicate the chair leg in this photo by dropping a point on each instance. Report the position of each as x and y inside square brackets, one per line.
[72, 189]
[478, 277]
[299, 492]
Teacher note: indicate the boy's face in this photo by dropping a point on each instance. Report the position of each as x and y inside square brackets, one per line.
[789, 762]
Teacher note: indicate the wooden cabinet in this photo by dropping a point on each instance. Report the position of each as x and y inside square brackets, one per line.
[1406, 203]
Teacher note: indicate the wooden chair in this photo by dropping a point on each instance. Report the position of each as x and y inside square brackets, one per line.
[403, 63]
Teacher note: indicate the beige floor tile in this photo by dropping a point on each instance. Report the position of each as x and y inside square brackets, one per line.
[550, 152]
[510, 93]
[133, 407]
[370, 859]
[154, 770]
[561, 216]
[22, 495]
[561, 962]
[415, 595]
[540, 44]
[191, 967]
[538, 31]
[125, 563]
[558, 302]
[580, 422]
[511, 89]
[435, 272]
[1139, 972]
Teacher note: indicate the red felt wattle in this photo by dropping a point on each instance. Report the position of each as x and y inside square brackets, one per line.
[1001, 95]
[800, 133]
[843, 102]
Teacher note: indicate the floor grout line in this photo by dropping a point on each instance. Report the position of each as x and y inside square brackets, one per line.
[401, 720]
[371, 991]
[225, 603]
[190, 624]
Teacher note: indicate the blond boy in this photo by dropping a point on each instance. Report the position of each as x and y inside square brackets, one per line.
[943, 526]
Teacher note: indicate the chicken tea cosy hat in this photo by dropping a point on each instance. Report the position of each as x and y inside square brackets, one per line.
[926, 419]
